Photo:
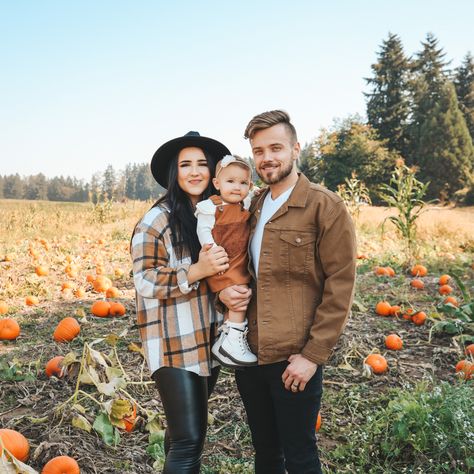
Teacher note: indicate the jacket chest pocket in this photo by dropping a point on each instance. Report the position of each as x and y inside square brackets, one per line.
[297, 247]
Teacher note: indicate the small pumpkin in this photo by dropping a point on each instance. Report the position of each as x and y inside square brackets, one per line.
[112, 292]
[31, 300]
[318, 422]
[117, 309]
[41, 270]
[408, 314]
[393, 342]
[101, 309]
[381, 271]
[383, 308]
[469, 350]
[61, 465]
[417, 283]
[452, 300]
[66, 330]
[102, 284]
[377, 363]
[395, 310]
[465, 369]
[54, 367]
[9, 329]
[445, 290]
[419, 271]
[419, 318]
[444, 279]
[79, 292]
[3, 307]
[131, 420]
[15, 443]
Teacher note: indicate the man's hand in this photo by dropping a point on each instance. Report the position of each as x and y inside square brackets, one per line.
[298, 373]
[236, 297]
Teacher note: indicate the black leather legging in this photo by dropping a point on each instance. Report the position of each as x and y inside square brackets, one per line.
[184, 396]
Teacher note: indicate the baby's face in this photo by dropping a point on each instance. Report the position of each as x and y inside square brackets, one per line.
[233, 182]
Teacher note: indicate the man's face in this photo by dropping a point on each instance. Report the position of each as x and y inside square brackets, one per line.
[274, 154]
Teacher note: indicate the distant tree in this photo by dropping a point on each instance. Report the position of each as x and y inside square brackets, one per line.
[388, 102]
[445, 154]
[307, 162]
[429, 78]
[353, 147]
[36, 187]
[13, 186]
[130, 175]
[146, 187]
[464, 82]
[109, 183]
[2, 181]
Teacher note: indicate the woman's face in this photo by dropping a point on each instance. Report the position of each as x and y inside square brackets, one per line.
[193, 172]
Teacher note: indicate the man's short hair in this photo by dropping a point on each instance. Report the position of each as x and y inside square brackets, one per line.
[269, 119]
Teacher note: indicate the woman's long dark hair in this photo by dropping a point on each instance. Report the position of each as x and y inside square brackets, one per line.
[182, 221]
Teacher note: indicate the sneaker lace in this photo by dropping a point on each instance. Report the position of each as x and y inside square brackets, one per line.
[243, 341]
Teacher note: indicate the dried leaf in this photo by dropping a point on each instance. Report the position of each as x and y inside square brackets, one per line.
[110, 388]
[10, 465]
[82, 423]
[132, 347]
[112, 339]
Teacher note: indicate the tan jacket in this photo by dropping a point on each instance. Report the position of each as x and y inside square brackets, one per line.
[303, 293]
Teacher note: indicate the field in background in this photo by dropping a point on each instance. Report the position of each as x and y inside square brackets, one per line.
[93, 236]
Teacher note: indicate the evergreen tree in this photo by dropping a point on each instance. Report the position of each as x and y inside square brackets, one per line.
[353, 147]
[109, 183]
[2, 181]
[13, 187]
[464, 82]
[445, 154]
[430, 76]
[388, 103]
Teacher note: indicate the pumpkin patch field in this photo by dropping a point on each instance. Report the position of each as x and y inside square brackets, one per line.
[75, 393]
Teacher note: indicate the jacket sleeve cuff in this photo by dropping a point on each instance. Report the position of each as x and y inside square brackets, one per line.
[319, 355]
[182, 277]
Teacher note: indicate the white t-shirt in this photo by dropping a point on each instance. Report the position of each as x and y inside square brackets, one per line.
[269, 208]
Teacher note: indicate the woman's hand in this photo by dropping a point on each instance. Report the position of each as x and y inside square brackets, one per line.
[212, 260]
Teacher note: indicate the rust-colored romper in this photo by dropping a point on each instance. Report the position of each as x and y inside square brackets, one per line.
[231, 231]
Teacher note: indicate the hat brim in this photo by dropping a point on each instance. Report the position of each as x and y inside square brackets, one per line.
[163, 156]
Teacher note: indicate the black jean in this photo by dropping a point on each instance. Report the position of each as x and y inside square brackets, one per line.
[282, 422]
[184, 396]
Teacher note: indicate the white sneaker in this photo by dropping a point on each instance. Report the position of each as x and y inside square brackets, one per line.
[221, 358]
[235, 347]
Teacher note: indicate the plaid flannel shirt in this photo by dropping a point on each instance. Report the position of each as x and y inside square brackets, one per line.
[177, 322]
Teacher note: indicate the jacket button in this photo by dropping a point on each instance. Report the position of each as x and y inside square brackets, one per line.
[298, 240]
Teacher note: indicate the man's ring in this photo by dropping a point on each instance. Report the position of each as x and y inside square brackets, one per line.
[294, 386]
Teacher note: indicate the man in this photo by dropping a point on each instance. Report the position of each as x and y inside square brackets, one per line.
[302, 259]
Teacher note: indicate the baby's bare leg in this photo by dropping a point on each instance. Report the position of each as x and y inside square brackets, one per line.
[236, 316]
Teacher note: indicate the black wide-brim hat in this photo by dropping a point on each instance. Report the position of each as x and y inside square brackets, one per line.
[162, 158]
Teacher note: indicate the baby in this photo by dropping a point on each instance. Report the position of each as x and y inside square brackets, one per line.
[224, 220]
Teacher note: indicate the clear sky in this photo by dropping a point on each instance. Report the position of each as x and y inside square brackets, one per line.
[84, 84]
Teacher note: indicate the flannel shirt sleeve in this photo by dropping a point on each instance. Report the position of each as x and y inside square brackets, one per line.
[153, 277]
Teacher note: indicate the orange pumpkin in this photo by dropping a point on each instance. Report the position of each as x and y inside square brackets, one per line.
[102, 284]
[100, 308]
[16, 443]
[79, 292]
[66, 330]
[469, 350]
[377, 362]
[41, 270]
[381, 271]
[443, 279]
[419, 318]
[390, 271]
[61, 465]
[452, 300]
[318, 422]
[395, 310]
[408, 314]
[54, 367]
[383, 308]
[112, 292]
[31, 300]
[445, 290]
[117, 309]
[90, 278]
[67, 285]
[419, 271]
[9, 329]
[465, 369]
[418, 284]
[3, 307]
[131, 420]
[393, 342]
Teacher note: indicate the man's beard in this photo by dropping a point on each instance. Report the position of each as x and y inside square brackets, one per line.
[280, 175]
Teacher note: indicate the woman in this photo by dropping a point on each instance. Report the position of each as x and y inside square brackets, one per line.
[176, 317]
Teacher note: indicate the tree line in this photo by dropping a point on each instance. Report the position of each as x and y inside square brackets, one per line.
[418, 110]
[134, 182]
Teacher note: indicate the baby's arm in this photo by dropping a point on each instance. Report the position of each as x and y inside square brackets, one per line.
[205, 214]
